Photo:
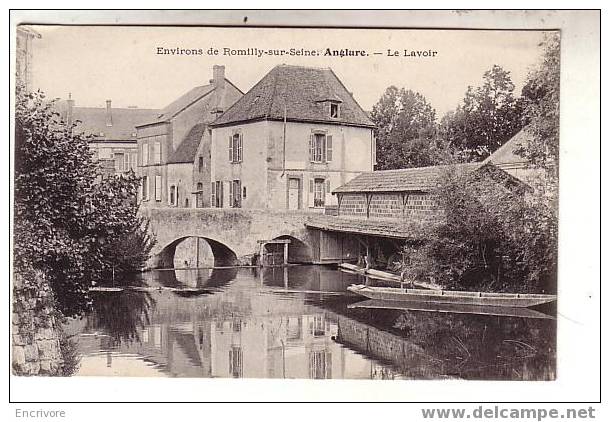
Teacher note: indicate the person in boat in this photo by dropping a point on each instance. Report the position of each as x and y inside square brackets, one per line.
[367, 264]
[402, 278]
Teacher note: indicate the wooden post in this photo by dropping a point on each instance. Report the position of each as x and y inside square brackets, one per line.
[197, 249]
[368, 255]
[261, 261]
[285, 253]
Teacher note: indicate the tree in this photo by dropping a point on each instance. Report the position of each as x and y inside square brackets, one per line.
[541, 112]
[406, 131]
[493, 237]
[488, 116]
[65, 215]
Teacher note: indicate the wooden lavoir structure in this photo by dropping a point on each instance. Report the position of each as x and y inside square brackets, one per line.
[377, 212]
[269, 255]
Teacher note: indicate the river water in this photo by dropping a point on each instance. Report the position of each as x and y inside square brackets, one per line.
[299, 322]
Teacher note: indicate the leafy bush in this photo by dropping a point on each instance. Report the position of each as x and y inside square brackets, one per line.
[67, 218]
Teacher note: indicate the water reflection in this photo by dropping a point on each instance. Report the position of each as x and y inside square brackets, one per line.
[298, 322]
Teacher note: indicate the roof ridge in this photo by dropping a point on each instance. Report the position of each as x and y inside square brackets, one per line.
[243, 95]
[268, 113]
[351, 96]
[423, 167]
[302, 67]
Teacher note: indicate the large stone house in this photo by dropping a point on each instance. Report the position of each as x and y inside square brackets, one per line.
[113, 132]
[173, 146]
[289, 141]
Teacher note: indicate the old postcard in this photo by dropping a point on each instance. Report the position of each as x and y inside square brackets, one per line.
[286, 203]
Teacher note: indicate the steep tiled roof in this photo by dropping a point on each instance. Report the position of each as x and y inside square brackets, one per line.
[506, 153]
[188, 147]
[182, 102]
[303, 91]
[124, 121]
[412, 179]
[506, 159]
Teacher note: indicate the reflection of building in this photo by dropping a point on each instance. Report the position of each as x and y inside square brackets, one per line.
[113, 132]
[24, 55]
[240, 335]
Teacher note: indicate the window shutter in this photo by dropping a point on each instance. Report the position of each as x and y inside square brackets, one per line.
[145, 154]
[158, 188]
[230, 149]
[311, 147]
[231, 200]
[241, 144]
[327, 186]
[311, 193]
[329, 148]
[213, 195]
[147, 187]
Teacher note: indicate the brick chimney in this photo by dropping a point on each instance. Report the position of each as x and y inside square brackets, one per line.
[108, 113]
[218, 73]
[218, 80]
[70, 109]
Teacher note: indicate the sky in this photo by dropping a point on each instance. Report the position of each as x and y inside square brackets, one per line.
[121, 63]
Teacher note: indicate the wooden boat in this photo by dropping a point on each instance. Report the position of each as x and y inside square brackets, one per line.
[453, 308]
[513, 300]
[381, 275]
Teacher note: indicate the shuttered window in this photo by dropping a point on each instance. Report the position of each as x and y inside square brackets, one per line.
[216, 196]
[329, 148]
[235, 148]
[213, 195]
[235, 193]
[157, 153]
[172, 195]
[319, 194]
[144, 154]
[320, 148]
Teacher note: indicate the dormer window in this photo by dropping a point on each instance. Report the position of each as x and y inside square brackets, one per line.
[334, 110]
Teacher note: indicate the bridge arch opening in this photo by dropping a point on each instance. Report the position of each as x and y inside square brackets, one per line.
[196, 252]
[299, 252]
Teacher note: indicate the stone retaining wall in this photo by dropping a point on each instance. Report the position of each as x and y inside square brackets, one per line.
[35, 329]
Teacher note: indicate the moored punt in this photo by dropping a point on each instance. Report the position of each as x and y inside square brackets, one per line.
[514, 300]
[454, 308]
[381, 275]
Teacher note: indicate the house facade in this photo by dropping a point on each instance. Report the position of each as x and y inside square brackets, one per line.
[113, 131]
[173, 161]
[24, 55]
[287, 143]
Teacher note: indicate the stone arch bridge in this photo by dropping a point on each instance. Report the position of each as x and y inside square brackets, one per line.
[233, 234]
